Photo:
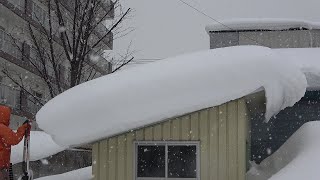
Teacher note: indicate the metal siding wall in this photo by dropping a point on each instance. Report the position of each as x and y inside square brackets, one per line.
[232, 140]
[95, 161]
[204, 148]
[103, 158]
[222, 124]
[223, 39]
[214, 143]
[242, 133]
[277, 39]
[221, 131]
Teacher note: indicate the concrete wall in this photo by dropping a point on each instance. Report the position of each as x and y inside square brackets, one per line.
[272, 39]
[221, 132]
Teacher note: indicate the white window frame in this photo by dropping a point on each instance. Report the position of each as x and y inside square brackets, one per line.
[166, 144]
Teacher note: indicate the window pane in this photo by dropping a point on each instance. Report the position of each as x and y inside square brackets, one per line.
[182, 161]
[151, 161]
[1, 38]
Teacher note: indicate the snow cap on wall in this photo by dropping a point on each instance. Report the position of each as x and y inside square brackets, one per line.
[261, 24]
[153, 92]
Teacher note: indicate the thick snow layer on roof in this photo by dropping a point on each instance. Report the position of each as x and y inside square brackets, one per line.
[297, 159]
[41, 146]
[80, 174]
[261, 24]
[307, 59]
[153, 92]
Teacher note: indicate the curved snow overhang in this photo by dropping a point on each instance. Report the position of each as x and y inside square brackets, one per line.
[151, 93]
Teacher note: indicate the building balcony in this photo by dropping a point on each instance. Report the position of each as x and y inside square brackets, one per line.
[21, 104]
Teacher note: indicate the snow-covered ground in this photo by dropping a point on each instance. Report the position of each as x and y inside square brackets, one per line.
[297, 159]
[176, 86]
[41, 146]
[80, 174]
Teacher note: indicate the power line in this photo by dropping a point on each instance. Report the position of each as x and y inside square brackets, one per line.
[204, 14]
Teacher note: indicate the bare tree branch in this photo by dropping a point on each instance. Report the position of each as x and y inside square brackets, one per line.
[123, 65]
[60, 57]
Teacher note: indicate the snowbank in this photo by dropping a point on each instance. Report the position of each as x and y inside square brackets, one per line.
[41, 146]
[80, 174]
[153, 92]
[261, 24]
[297, 159]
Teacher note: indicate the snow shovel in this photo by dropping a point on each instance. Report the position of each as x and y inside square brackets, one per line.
[27, 172]
[10, 172]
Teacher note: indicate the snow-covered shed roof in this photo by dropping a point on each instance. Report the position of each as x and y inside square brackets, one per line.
[150, 93]
[261, 24]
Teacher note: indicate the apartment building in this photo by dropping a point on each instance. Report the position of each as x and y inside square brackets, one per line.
[15, 15]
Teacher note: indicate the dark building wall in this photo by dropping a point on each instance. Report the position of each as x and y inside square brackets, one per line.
[266, 138]
[272, 39]
[223, 39]
[60, 163]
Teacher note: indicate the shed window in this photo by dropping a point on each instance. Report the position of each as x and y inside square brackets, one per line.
[167, 160]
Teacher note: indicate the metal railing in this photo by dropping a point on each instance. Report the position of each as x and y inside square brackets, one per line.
[33, 105]
[12, 97]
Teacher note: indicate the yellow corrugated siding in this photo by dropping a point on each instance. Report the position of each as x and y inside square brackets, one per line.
[95, 166]
[221, 131]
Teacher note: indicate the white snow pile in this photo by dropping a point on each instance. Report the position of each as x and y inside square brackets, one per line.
[164, 89]
[41, 146]
[80, 174]
[297, 159]
[307, 59]
[261, 24]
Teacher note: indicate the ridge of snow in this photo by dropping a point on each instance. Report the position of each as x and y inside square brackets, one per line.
[79, 174]
[41, 146]
[153, 92]
[260, 24]
[296, 159]
[307, 59]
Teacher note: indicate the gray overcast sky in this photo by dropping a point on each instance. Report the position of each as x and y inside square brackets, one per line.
[165, 28]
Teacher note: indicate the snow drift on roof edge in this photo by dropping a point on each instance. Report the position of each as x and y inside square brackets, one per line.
[153, 92]
[260, 24]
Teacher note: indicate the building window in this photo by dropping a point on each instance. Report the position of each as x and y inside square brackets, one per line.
[167, 160]
[17, 3]
[40, 15]
[9, 46]
[1, 38]
[36, 62]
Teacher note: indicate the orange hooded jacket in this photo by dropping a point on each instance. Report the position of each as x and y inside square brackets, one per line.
[8, 137]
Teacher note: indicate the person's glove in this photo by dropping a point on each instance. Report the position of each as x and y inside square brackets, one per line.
[27, 125]
[26, 122]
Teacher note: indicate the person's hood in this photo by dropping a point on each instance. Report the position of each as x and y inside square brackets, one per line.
[5, 113]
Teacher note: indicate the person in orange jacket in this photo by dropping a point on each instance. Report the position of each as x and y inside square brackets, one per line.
[8, 138]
